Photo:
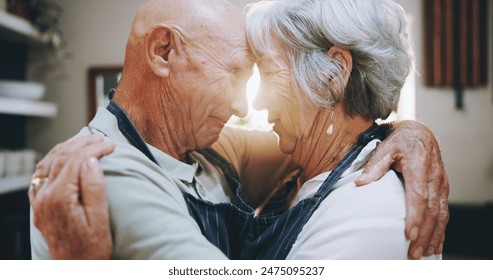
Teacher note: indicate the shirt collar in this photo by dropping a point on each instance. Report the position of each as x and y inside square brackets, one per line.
[107, 122]
[183, 171]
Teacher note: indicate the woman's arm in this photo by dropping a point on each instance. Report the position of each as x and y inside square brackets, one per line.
[70, 209]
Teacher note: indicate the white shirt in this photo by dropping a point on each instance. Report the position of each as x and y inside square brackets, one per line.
[355, 222]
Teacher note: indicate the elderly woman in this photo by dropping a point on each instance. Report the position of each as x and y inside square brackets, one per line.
[329, 69]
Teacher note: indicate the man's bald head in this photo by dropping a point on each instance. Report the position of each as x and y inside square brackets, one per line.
[186, 67]
[194, 17]
[195, 22]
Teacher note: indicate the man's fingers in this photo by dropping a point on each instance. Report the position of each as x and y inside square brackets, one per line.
[430, 186]
[376, 167]
[435, 245]
[433, 215]
[416, 207]
[413, 150]
[421, 246]
[425, 201]
[438, 237]
[441, 204]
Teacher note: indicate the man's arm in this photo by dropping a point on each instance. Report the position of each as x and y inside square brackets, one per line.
[412, 150]
[261, 165]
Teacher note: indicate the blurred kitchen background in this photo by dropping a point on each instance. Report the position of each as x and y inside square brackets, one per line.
[59, 58]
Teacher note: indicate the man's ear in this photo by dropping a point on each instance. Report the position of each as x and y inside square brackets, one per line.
[345, 58]
[159, 42]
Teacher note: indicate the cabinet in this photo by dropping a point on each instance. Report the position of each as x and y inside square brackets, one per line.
[17, 36]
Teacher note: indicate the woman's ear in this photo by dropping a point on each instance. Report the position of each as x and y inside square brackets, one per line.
[159, 42]
[345, 58]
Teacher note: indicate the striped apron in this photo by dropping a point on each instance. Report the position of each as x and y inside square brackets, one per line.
[234, 227]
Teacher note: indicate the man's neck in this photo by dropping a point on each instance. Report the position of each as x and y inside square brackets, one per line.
[156, 125]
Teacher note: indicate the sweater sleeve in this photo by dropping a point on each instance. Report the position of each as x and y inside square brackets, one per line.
[258, 160]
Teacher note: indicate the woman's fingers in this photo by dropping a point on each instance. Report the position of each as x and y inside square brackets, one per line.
[72, 145]
[90, 150]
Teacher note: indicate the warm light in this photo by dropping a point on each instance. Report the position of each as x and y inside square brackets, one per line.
[252, 88]
[406, 110]
[256, 120]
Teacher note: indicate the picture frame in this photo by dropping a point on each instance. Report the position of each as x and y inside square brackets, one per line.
[100, 80]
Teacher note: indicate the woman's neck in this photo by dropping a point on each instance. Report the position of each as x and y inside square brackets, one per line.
[319, 152]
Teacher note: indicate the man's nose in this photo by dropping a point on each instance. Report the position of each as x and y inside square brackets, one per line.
[239, 105]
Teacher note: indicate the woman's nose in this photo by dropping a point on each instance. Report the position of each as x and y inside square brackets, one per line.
[260, 102]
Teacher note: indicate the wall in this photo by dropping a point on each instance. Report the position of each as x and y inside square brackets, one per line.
[465, 136]
[96, 33]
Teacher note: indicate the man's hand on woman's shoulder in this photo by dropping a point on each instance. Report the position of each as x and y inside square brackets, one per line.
[413, 150]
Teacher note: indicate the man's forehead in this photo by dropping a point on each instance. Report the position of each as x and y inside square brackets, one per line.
[243, 54]
[236, 48]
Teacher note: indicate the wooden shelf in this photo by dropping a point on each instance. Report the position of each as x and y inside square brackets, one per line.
[19, 30]
[12, 184]
[23, 107]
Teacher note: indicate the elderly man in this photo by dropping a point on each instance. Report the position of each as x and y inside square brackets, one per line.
[183, 78]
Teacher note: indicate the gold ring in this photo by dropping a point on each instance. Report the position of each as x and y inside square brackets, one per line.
[38, 182]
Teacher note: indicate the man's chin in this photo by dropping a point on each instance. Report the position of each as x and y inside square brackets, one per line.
[209, 133]
[207, 140]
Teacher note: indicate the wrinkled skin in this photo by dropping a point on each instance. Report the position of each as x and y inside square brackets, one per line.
[73, 219]
[411, 149]
[170, 65]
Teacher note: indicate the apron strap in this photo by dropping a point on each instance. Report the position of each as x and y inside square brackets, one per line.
[129, 131]
[374, 132]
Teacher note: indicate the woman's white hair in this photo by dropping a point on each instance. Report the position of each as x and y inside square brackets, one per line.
[374, 31]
